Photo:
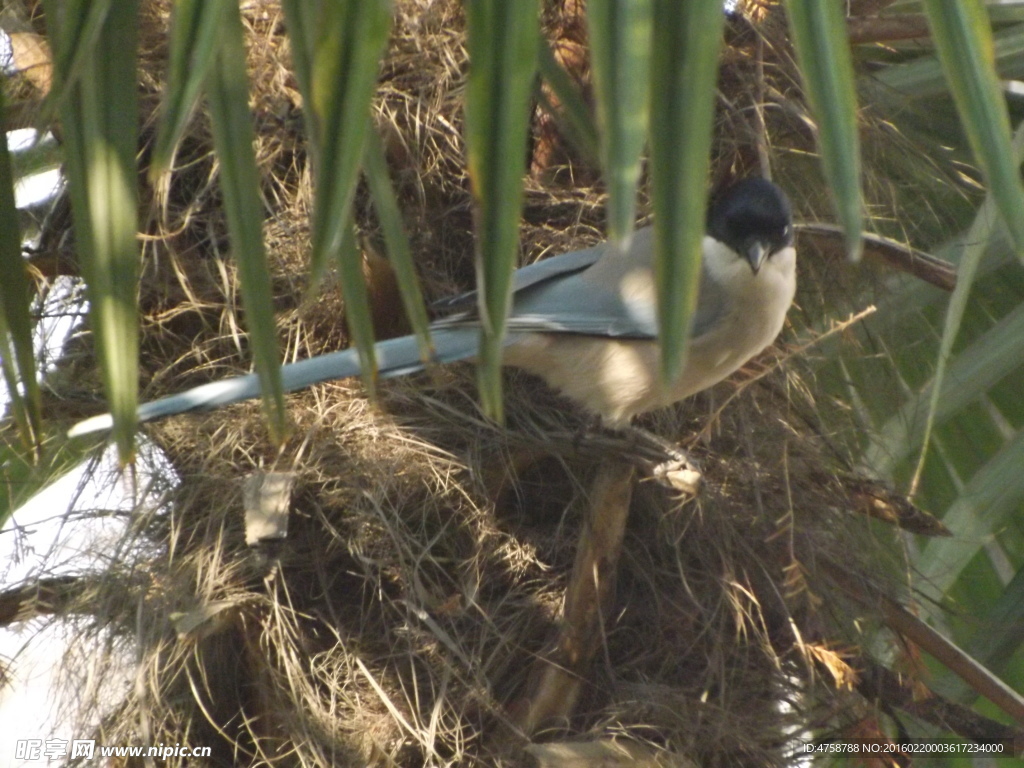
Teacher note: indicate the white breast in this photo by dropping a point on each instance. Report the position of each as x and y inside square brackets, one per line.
[619, 378]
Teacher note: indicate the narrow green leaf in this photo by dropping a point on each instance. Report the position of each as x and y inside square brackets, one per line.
[386, 204]
[972, 373]
[962, 35]
[1003, 12]
[99, 117]
[977, 238]
[986, 504]
[196, 29]
[301, 20]
[357, 306]
[76, 27]
[620, 48]
[923, 78]
[502, 44]
[24, 478]
[572, 113]
[1003, 627]
[338, 50]
[347, 39]
[992, 612]
[684, 72]
[823, 50]
[228, 96]
[16, 358]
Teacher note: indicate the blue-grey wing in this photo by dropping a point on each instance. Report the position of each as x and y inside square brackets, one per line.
[614, 298]
[576, 304]
[579, 293]
[582, 294]
[540, 271]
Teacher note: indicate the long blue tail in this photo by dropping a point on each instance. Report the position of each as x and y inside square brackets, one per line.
[395, 357]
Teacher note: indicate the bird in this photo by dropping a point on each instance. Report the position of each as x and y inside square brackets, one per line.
[585, 321]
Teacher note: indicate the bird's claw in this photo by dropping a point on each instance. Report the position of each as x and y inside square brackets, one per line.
[679, 474]
[666, 463]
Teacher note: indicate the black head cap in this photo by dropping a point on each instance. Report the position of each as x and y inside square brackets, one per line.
[754, 218]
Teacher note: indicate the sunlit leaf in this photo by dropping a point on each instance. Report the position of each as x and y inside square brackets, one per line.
[196, 30]
[99, 118]
[337, 57]
[502, 43]
[228, 96]
[16, 358]
[620, 44]
[684, 73]
[24, 477]
[400, 254]
[819, 35]
[963, 38]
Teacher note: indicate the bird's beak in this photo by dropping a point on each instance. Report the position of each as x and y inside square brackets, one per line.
[756, 254]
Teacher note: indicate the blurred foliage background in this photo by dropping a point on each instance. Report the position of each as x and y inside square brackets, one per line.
[238, 177]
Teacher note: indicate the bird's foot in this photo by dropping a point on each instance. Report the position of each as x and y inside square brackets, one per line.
[665, 463]
[680, 475]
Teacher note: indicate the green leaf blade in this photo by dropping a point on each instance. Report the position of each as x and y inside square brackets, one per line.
[227, 93]
[969, 376]
[502, 43]
[196, 28]
[962, 35]
[338, 47]
[400, 254]
[684, 72]
[572, 114]
[16, 357]
[99, 113]
[620, 45]
[987, 503]
[357, 307]
[819, 35]
[923, 77]
[77, 26]
[978, 236]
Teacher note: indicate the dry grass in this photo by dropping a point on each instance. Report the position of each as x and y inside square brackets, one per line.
[428, 550]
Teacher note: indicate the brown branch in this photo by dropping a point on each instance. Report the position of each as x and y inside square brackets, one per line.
[945, 651]
[953, 658]
[868, 7]
[877, 683]
[556, 678]
[924, 266]
[871, 498]
[861, 30]
[43, 598]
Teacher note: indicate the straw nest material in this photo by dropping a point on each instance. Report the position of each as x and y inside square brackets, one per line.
[422, 581]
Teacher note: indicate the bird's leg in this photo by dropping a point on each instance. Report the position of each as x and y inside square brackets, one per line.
[591, 426]
[658, 458]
